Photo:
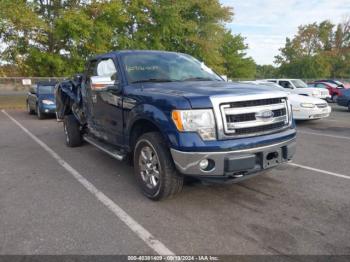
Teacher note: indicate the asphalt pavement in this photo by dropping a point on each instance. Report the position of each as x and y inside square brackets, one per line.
[46, 208]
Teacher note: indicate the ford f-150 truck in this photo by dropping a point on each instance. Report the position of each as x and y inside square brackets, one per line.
[174, 117]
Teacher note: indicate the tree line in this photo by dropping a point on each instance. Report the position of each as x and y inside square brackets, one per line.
[55, 37]
[318, 50]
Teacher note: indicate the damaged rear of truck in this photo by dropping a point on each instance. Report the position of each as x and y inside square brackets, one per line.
[68, 99]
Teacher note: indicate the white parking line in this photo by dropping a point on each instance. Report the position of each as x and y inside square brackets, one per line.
[319, 170]
[326, 135]
[139, 230]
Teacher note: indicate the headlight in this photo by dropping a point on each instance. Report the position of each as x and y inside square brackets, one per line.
[316, 93]
[201, 121]
[47, 102]
[307, 105]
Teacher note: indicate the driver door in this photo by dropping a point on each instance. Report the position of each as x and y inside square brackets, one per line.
[107, 101]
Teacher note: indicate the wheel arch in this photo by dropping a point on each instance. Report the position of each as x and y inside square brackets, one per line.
[140, 127]
[147, 118]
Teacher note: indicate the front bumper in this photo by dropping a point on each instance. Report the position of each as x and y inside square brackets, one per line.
[235, 163]
[302, 113]
[48, 109]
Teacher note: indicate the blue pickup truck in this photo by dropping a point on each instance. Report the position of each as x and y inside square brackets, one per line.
[173, 116]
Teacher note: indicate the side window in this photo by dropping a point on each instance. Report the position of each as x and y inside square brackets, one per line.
[285, 84]
[107, 68]
[321, 85]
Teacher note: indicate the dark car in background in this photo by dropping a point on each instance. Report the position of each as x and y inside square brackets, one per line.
[344, 98]
[41, 99]
[332, 81]
[334, 89]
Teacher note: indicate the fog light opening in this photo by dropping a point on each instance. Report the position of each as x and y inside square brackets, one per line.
[206, 164]
[272, 155]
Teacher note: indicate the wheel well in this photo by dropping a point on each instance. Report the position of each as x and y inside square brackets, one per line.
[139, 128]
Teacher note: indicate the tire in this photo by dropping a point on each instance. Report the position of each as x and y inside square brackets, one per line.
[154, 168]
[39, 114]
[349, 106]
[334, 98]
[72, 131]
[29, 110]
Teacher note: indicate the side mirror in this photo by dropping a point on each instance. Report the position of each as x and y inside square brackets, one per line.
[104, 83]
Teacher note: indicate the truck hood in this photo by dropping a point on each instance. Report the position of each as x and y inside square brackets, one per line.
[199, 92]
[47, 96]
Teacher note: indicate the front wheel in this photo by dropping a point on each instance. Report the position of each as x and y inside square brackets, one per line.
[154, 167]
[39, 114]
[72, 131]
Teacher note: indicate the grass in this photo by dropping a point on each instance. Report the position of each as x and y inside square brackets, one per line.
[12, 101]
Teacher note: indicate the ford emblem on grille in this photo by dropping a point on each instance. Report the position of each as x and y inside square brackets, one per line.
[265, 115]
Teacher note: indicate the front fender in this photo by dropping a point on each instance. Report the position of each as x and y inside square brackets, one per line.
[158, 117]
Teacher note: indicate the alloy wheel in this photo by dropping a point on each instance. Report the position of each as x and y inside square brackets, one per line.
[149, 167]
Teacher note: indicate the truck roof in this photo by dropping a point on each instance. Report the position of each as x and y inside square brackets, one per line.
[115, 53]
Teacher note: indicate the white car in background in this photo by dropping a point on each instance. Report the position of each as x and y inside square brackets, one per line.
[298, 86]
[303, 107]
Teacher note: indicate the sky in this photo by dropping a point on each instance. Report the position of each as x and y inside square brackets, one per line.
[266, 23]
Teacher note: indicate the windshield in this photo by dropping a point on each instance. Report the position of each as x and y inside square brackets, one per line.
[299, 83]
[46, 90]
[166, 67]
[317, 85]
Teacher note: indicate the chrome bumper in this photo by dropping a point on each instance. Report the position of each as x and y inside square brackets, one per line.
[231, 163]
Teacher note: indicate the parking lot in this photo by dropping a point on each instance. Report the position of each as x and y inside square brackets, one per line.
[59, 200]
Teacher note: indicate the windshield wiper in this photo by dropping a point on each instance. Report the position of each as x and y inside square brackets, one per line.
[199, 79]
[155, 80]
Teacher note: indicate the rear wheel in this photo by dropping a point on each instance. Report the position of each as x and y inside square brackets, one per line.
[72, 131]
[154, 167]
[29, 110]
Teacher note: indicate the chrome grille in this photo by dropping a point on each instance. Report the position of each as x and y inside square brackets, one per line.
[257, 129]
[261, 102]
[254, 117]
